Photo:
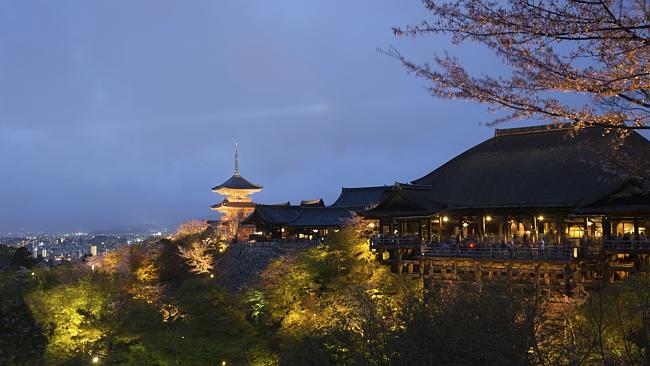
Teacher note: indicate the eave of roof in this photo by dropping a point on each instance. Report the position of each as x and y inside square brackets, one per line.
[237, 182]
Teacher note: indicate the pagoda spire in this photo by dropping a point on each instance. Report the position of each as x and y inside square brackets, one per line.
[236, 160]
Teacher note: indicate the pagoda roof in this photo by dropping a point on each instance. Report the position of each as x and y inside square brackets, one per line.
[538, 166]
[234, 204]
[237, 182]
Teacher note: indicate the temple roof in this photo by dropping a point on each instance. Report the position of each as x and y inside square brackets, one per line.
[274, 214]
[630, 198]
[321, 217]
[297, 216]
[313, 203]
[237, 204]
[237, 182]
[360, 198]
[536, 167]
[406, 200]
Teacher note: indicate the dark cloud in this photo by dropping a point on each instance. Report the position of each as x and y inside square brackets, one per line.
[125, 112]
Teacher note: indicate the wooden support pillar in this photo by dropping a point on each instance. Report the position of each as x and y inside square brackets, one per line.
[440, 223]
[483, 232]
[400, 264]
[509, 268]
[501, 223]
[636, 228]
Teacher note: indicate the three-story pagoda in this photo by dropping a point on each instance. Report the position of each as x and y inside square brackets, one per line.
[236, 191]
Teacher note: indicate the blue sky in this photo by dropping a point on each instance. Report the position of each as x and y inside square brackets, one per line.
[126, 112]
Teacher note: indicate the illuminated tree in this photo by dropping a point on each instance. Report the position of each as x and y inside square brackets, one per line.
[76, 318]
[599, 49]
[191, 227]
[197, 256]
[231, 228]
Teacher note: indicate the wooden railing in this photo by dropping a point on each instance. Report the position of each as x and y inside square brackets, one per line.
[281, 243]
[623, 244]
[395, 242]
[545, 254]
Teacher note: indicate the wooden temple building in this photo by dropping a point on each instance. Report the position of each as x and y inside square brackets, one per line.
[543, 205]
[311, 219]
[533, 205]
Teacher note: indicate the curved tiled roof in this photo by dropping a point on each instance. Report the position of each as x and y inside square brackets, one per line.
[360, 198]
[322, 217]
[313, 203]
[406, 200]
[275, 214]
[239, 204]
[297, 216]
[237, 182]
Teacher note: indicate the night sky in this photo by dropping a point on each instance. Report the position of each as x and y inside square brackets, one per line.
[119, 113]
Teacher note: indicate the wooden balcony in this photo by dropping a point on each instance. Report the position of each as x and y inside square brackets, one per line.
[396, 242]
[623, 245]
[534, 254]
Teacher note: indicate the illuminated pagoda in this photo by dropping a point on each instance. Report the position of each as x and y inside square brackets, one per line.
[237, 191]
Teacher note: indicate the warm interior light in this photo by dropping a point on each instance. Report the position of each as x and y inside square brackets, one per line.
[589, 223]
[540, 218]
[315, 230]
[95, 359]
[488, 218]
[282, 230]
[371, 225]
[465, 224]
[445, 219]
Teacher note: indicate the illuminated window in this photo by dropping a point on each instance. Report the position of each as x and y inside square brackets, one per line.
[623, 228]
[576, 232]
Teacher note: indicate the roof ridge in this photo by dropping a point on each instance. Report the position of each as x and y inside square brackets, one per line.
[363, 188]
[534, 129]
